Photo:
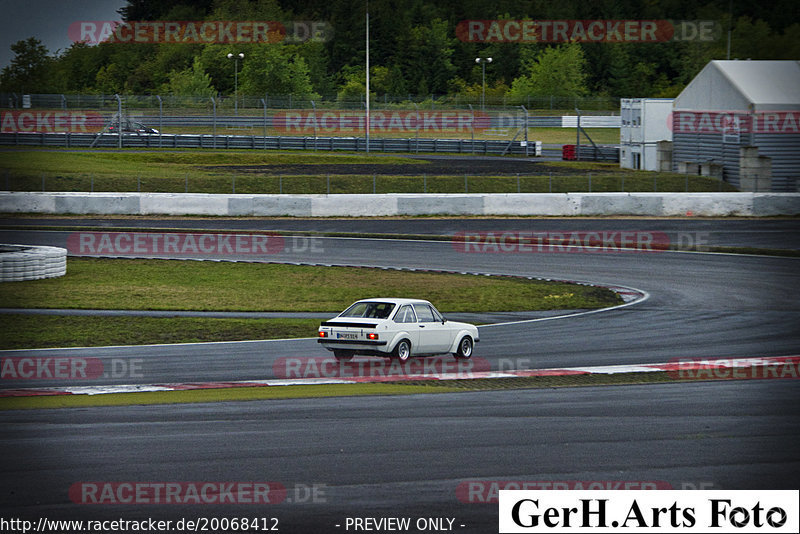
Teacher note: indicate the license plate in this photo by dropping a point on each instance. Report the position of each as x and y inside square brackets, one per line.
[341, 335]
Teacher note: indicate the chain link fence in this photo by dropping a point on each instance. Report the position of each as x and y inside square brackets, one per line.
[331, 184]
[251, 103]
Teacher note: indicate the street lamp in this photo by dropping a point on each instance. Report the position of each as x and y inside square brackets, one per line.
[236, 58]
[483, 61]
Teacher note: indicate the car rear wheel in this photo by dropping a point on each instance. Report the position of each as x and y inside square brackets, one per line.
[402, 351]
[343, 355]
[464, 351]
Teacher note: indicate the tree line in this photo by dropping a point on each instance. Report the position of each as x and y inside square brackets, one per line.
[415, 49]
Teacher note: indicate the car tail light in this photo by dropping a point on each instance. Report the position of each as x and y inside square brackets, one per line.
[372, 335]
[323, 333]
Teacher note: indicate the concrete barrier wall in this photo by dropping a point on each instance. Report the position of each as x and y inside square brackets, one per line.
[27, 262]
[546, 204]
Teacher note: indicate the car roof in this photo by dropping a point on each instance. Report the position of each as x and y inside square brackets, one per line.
[398, 301]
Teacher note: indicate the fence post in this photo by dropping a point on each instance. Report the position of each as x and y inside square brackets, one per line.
[264, 103]
[160, 119]
[578, 136]
[314, 106]
[472, 127]
[416, 129]
[119, 121]
[526, 129]
[214, 123]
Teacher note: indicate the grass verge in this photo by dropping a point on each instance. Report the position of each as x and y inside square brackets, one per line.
[221, 286]
[22, 331]
[210, 395]
[209, 171]
[330, 390]
[201, 286]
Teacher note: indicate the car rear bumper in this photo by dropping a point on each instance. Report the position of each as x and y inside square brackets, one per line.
[355, 342]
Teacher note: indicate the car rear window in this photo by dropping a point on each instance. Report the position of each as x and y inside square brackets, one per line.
[371, 310]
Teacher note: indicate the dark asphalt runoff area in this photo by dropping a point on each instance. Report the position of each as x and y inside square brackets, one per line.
[408, 456]
[757, 233]
[395, 456]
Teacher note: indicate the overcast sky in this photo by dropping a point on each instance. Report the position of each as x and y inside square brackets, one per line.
[48, 21]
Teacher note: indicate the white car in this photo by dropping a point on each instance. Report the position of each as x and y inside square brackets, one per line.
[398, 328]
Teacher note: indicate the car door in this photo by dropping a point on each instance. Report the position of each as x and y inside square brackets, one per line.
[434, 337]
[405, 320]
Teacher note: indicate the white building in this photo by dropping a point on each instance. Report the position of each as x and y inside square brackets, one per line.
[743, 116]
[645, 122]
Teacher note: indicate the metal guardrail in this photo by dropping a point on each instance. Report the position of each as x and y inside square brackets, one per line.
[352, 144]
[253, 121]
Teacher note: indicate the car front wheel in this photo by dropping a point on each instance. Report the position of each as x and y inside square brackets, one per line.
[464, 351]
[402, 351]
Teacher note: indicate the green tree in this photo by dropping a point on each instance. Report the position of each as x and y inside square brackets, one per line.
[426, 57]
[557, 71]
[190, 82]
[110, 79]
[75, 69]
[274, 69]
[29, 71]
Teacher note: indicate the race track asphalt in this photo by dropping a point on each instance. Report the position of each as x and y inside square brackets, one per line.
[390, 456]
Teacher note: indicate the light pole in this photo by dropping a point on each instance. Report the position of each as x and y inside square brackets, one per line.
[236, 58]
[483, 61]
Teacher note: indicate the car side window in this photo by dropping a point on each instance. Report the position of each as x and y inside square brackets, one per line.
[405, 315]
[424, 313]
[436, 315]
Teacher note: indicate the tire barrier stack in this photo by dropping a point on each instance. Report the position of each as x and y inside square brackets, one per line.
[26, 262]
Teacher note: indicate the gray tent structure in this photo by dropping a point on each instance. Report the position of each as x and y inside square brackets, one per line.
[742, 116]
